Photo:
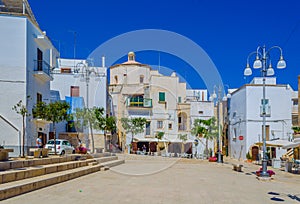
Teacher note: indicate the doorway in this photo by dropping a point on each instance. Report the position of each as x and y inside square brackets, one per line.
[255, 153]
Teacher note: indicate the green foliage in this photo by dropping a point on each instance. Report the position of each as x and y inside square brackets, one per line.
[159, 135]
[183, 137]
[54, 112]
[21, 109]
[84, 117]
[105, 123]
[207, 129]
[248, 156]
[296, 129]
[133, 125]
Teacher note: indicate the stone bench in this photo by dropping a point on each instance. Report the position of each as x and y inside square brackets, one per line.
[4, 154]
[39, 152]
[237, 167]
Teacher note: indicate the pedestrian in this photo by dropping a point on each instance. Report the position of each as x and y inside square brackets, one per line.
[144, 149]
[39, 142]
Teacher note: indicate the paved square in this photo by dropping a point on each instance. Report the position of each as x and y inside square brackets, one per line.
[148, 179]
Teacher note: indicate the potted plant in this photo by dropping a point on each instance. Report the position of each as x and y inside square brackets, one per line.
[249, 157]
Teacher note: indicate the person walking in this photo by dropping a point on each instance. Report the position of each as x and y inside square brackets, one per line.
[39, 142]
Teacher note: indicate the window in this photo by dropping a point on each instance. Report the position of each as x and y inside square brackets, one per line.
[179, 119]
[147, 128]
[141, 79]
[74, 91]
[200, 112]
[39, 98]
[136, 101]
[161, 97]
[179, 99]
[295, 102]
[116, 79]
[170, 126]
[39, 60]
[159, 124]
[65, 70]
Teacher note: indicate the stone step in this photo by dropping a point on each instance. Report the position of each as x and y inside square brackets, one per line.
[105, 159]
[15, 188]
[34, 171]
[6, 165]
[112, 163]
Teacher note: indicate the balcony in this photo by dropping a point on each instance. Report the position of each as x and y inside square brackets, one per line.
[139, 102]
[42, 70]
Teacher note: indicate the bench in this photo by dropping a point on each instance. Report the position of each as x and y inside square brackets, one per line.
[237, 167]
[4, 154]
[39, 152]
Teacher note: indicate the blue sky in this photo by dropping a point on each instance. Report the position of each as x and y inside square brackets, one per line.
[227, 30]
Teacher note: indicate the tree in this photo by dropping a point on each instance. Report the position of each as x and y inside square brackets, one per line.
[133, 125]
[86, 117]
[184, 138]
[159, 136]
[105, 123]
[54, 112]
[21, 109]
[206, 129]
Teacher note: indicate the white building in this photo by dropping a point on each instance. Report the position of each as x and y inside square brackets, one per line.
[26, 59]
[245, 120]
[80, 84]
[139, 91]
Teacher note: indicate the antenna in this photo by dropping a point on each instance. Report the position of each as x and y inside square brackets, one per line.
[74, 51]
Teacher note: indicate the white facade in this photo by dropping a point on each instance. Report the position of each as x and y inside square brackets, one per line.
[246, 120]
[26, 58]
[90, 82]
[200, 108]
[139, 91]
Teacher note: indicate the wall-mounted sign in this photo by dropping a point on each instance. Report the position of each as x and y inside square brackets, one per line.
[241, 137]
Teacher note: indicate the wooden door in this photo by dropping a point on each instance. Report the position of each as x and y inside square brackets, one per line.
[255, 154]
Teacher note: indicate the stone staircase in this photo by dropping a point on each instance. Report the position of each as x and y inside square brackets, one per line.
[22, 176]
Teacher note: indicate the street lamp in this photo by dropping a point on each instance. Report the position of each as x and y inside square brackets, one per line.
[85, 72]
[219, 99]
[261, 61]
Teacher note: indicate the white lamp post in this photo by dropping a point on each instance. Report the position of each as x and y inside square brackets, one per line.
[219, 99]
[85, 72]
[261, 61]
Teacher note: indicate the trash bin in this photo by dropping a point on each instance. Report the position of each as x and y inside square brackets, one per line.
[288, 166]
[276, 163]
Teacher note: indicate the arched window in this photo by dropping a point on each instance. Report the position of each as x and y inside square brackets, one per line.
[116, 79]
[182, 121]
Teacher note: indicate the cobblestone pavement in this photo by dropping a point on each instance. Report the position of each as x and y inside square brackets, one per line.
[148, 179]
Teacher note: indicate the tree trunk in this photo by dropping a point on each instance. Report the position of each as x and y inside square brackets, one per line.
[206, 147]
[23, 142]
[54, 133]
[92, 137]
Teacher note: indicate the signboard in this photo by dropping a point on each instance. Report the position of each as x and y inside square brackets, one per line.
[241, 137]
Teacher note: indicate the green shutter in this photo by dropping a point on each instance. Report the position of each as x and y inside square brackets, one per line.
[161, 96]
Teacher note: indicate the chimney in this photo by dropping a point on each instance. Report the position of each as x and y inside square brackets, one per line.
[298, 99]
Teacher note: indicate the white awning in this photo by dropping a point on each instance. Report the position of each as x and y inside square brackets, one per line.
[276, 143]
[180, 141]
[293, 145]
[149, 140]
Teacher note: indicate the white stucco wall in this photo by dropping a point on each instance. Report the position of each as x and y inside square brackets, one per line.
[246, 120]
[17, 54]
